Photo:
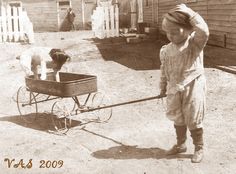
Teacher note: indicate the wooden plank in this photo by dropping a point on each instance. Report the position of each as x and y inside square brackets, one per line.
[4, 24]
[222, 6]
[107, 22]
[215, 2]
[216, 32]
[9, 24]
[15, 24]
[112, 20]
[221, 23]
[215, 37]
[231, 40]
[222, 12]
[31, 33]
[232, 47]
[231, 35]
[222, 17]
[215, 43]
[167, 2]
[222, 28]
[102, 26]
[1, 29]
[21, 30]
[117, 20]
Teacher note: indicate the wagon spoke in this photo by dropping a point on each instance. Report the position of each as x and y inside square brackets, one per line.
[96, 109]
[26, 104]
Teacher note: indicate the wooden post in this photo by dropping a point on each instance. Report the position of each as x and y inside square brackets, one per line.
[4, 24]
[117, 34]
[83, 15]
[106, 20]
[58, 17]
[133, 5]
[31, 33]
[21, 31]
[112, 20]
[107, 27]
[0, 28]
[15, 24]
[140, 11]
[9, 24]
[102, 24]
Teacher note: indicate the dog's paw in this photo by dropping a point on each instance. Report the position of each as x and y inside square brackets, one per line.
[179, 87]
[43, 77]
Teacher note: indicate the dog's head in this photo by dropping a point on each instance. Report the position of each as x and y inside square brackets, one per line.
[59, 57]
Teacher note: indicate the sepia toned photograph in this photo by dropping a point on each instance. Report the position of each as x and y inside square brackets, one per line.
[118, 86]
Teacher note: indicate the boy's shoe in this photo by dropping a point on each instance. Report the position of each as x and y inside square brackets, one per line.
[198, 155]
[177, 149]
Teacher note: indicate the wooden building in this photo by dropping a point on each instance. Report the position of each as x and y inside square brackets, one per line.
[219, 14]
[48, 15]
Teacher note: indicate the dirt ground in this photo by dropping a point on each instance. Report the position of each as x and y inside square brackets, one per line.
[136, 137]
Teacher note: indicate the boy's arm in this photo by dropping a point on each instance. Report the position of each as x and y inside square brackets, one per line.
[163, 79]
[201, 31]
[199, 25]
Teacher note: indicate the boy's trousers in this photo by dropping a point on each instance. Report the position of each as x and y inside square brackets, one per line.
[188, 107]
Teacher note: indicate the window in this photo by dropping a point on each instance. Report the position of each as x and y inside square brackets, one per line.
[186, 1]
[64, 3]
[146, 2]
[15, 4]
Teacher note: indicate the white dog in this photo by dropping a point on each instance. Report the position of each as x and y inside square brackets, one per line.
[46, 58]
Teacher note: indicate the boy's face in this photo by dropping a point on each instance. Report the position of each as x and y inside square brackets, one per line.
[175, 33]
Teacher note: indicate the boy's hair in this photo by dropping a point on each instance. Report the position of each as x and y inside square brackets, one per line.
[178, 18]
[59, 57]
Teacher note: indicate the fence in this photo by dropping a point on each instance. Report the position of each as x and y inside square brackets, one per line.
[15, 25]
[105, 21]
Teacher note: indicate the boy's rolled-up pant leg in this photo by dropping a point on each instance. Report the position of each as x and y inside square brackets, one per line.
[194, 103]
[174, 109]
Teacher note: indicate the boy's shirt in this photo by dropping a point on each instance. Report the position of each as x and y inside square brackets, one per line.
[181, 66]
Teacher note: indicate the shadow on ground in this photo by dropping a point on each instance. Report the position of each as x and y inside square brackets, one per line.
[40, 121]
[138, 56]
[145, 55]
[133, 152]
[123, 151]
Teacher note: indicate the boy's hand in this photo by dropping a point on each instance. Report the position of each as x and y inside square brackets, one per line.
[161, 95]
[182, 8]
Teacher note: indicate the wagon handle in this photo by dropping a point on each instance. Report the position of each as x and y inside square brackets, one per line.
[125, 103]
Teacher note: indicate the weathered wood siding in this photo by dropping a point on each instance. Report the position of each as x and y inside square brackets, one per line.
[155, 12]
[124, 13]
[77, 8]
[165, 5]
[219, 14]
[222, 23]
[148, 11]
[44, 15]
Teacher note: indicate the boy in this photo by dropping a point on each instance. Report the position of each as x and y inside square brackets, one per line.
[182, 76]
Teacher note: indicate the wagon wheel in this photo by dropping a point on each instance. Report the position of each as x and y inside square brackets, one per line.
[99, 107]
[26, 104]
[61, 116]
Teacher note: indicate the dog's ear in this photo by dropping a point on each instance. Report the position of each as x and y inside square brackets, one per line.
[53, 53]
[67, 58]
[60, 59]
